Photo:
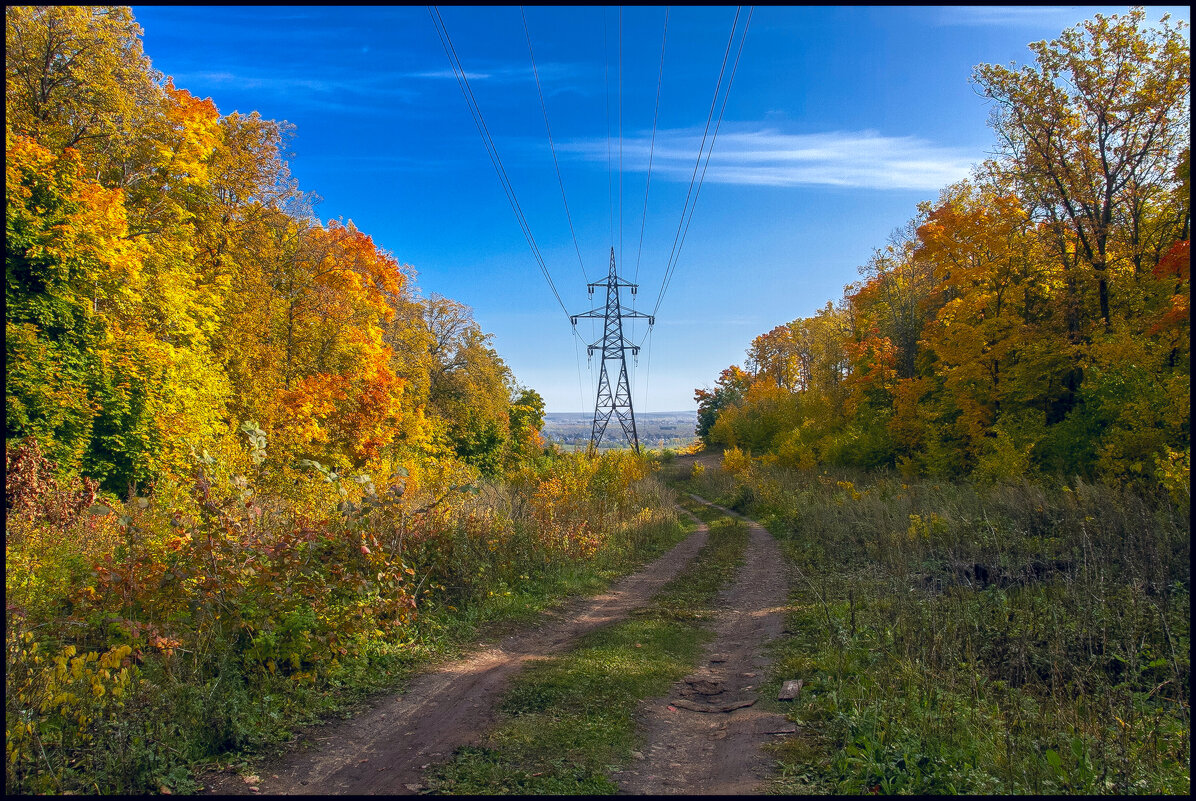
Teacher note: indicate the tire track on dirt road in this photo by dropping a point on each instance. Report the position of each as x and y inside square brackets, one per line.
[706, 736]
[384, 750]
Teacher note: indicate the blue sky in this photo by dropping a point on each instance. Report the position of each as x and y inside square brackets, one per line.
[839, 122]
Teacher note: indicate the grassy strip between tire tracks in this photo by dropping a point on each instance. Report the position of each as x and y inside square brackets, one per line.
[569, 721]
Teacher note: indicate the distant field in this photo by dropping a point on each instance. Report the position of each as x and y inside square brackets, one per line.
[656, 429]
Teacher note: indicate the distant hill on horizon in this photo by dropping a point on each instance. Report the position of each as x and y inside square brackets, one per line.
[655, 429]
[590, 414]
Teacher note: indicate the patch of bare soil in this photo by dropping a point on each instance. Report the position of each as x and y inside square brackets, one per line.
[706, 735]
[383, 750]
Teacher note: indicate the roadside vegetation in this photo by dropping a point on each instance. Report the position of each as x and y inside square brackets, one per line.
[978, 459]
[963, 638]
[251, 470]
[569, 722]
[147, 636]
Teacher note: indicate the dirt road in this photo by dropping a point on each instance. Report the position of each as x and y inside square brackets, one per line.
[383, 750]
[706, 736]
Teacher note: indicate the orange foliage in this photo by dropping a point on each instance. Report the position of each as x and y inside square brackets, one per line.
[1175, 266]
[874, 363]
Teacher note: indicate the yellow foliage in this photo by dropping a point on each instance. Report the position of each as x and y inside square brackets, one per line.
[1002, 459]
[59, 701]
[1174, 471]
[736, 461]
[850, 489]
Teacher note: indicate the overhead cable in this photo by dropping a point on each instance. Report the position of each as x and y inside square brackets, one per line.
[606, 78]
[698, 160]
[488, 141]
[620, 134]
[652, 145]
[683, 225]
[551, 144]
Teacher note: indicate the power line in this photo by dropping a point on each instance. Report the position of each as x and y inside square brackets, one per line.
[551, 144]
[652, 146]
[669, 263]
[606, 77]
[722, 109]
[675, 253]
[581, 396]
[492, 151]
[620, 134]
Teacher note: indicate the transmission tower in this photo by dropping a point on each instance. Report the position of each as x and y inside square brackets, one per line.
[614, 348]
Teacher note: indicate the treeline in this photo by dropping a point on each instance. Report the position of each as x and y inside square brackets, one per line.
[166, 280]
[1035, 318]
[250, 471]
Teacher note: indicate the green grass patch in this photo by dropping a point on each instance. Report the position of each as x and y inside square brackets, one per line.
[569, 722]
[960, 639]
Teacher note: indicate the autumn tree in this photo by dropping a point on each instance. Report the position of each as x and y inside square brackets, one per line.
[64, 239]
[1092, 135]
[775, 356]
[730, 388]
[471, 387]
[129, 160]
[75, 76]
[526, 417]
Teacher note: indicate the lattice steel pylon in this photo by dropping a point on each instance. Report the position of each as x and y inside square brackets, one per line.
[614, 348]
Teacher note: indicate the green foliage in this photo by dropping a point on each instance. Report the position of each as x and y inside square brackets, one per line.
[526, 419]
[51, 334]
[730, 388]
[480, 443]
[990, 638]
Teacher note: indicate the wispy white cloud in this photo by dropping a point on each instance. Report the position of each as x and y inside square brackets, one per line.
[767, 157]
[434, 74]
[1053, 17]
[550, 72]
[359, 93]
